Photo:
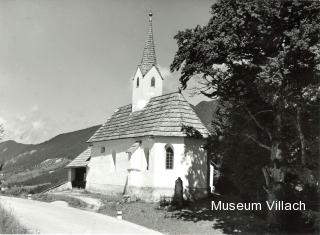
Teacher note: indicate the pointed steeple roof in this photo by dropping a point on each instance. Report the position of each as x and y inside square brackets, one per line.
[149, 55]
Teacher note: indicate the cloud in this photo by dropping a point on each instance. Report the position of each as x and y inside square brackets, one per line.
[26, 128]
[165, 71]
[35, 108]
[2, 121]
[21, 117]
[171, 80]
[172, 84]
[37, 125]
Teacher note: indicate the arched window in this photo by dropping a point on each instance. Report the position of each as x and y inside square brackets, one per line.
[169, 157]
[153, 82]
[138, 82]
[102, 149]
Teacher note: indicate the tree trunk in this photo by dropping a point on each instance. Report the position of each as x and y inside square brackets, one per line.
[274, 173]
[301, 137]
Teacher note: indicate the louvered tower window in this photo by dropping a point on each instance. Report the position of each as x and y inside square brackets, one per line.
[153, 82]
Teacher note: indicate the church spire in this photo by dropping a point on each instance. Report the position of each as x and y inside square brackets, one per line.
[149, 55]
[147, 82]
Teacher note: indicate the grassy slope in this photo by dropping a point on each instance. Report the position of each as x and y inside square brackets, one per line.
[10, 148]
[9, 225]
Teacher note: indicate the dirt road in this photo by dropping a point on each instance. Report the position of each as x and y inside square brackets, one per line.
[41, 217]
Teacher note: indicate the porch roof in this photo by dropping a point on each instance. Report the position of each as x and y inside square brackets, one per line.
[81, 160]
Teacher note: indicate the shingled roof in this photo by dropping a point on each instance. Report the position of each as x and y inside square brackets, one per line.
[149, 54]
[166, 115]
[81, 160]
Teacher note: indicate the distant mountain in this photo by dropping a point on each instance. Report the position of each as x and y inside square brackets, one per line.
[25, 156]
[9, 149]
[205, 111]
[41, 165]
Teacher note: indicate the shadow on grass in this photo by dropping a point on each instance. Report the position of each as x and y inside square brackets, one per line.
[229, 222]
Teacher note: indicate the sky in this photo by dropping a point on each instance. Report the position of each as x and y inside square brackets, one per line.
[66, 65]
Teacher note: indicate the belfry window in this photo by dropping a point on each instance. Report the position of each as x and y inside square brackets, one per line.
[169, 157]
[138, 82]
[153, 82]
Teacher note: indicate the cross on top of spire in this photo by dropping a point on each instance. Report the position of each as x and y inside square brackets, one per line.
[149, 55]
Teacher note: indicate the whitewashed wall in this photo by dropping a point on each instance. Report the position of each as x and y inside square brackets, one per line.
[184, 159]
[190, 164]
[102, 172]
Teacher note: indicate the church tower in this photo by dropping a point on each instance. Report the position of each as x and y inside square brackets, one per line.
[147, 81]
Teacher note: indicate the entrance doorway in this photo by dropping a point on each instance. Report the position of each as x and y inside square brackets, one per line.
[79, 178]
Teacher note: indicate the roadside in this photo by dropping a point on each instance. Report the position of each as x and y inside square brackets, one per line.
[9, 224]
[42, 217]
[146, 214]
[192, 218]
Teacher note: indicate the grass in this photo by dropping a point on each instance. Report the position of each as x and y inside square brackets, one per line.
[21, 191]
[9, 225]
[73, 202]
[192, 218]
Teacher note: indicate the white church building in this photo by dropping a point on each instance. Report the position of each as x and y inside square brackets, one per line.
[146, 145]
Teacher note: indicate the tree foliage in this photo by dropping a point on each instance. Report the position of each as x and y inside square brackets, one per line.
[262, 58]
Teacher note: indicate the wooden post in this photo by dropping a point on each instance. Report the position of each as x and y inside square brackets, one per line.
[119, 215]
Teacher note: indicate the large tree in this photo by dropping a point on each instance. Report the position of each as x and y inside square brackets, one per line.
[262, 57]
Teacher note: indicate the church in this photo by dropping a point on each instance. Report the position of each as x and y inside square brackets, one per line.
[145, 146]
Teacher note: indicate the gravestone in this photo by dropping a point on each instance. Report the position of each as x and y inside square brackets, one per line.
[178, 192]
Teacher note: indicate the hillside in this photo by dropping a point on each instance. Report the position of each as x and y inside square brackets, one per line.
[23, 156]
[28, 164]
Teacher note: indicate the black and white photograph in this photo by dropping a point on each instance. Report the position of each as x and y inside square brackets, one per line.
[160, 117]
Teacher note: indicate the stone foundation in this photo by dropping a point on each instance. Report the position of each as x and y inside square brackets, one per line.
[107, 189]
[151, 194]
